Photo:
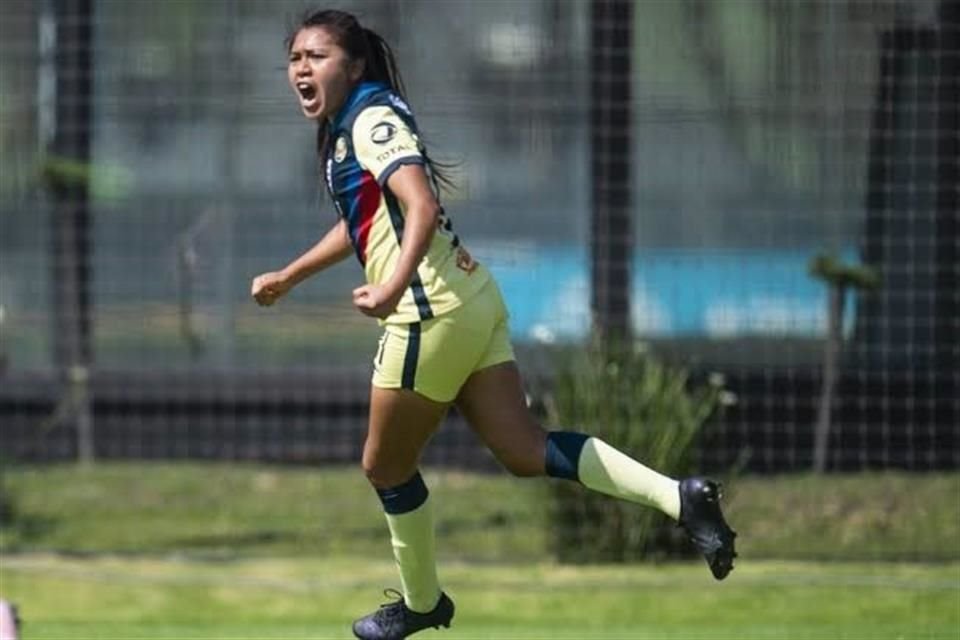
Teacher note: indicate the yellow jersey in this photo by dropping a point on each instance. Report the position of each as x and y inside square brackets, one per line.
[372, 136]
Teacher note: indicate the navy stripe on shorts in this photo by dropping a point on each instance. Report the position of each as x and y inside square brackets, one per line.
[411, 358]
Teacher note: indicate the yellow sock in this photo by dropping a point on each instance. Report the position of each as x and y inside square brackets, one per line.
[410, 518]
[607, 470]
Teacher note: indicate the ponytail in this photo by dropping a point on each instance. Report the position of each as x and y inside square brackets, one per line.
[381, 64]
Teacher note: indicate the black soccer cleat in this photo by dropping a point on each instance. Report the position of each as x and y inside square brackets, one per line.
[395, 621]
[701, 518]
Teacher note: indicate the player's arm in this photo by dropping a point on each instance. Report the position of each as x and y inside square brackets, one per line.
[410, 185]
[387, 146]
[331, 249]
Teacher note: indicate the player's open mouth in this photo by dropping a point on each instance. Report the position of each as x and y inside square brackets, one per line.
[308, 94]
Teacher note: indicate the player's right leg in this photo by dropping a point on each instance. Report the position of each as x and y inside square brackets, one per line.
[401, 423]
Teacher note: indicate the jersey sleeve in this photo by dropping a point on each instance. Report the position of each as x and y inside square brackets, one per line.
[383, 142]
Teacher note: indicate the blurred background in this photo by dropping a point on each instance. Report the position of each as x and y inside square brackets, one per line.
[662, 171]
[674, 178]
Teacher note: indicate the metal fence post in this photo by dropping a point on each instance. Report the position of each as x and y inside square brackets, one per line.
[67, 173]
[611, 25]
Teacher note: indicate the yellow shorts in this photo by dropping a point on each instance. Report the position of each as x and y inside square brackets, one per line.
[435, 357]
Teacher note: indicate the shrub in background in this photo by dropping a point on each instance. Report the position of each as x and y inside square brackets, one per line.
[8, 502]
[647, 409]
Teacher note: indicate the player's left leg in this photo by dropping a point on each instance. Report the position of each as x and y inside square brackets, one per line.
[493, 402]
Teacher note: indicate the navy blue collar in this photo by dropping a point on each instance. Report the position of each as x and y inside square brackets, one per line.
[360, 93]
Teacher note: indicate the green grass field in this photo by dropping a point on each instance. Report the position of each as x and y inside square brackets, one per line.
[245, 551]
[114, 597]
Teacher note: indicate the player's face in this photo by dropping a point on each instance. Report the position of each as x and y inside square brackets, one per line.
[320, 72]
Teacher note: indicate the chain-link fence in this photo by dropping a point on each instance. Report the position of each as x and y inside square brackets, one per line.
[153, 161]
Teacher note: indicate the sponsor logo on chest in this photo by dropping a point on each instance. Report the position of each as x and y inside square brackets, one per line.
[382, 133]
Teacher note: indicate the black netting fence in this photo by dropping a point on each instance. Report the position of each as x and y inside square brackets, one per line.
[667, 167]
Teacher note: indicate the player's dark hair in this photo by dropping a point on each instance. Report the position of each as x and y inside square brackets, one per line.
[380, 65]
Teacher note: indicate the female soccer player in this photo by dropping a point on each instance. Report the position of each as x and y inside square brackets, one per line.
[445, 338]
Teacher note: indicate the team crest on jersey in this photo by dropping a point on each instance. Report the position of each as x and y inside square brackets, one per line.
[382, 133]
[340, 149]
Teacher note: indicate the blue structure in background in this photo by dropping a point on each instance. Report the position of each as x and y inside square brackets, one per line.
[676, 292]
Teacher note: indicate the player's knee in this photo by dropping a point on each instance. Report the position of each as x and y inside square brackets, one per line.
[375, 473]
[383, 476]
[379, 479]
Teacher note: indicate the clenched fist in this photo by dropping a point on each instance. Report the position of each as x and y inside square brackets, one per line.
[268, 287]
[376, 301]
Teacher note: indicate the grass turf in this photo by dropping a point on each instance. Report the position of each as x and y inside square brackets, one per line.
[250, 551]
[112, 597]
[229, 510]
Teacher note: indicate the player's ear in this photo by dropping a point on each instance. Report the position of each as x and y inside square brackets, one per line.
[355, 69]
